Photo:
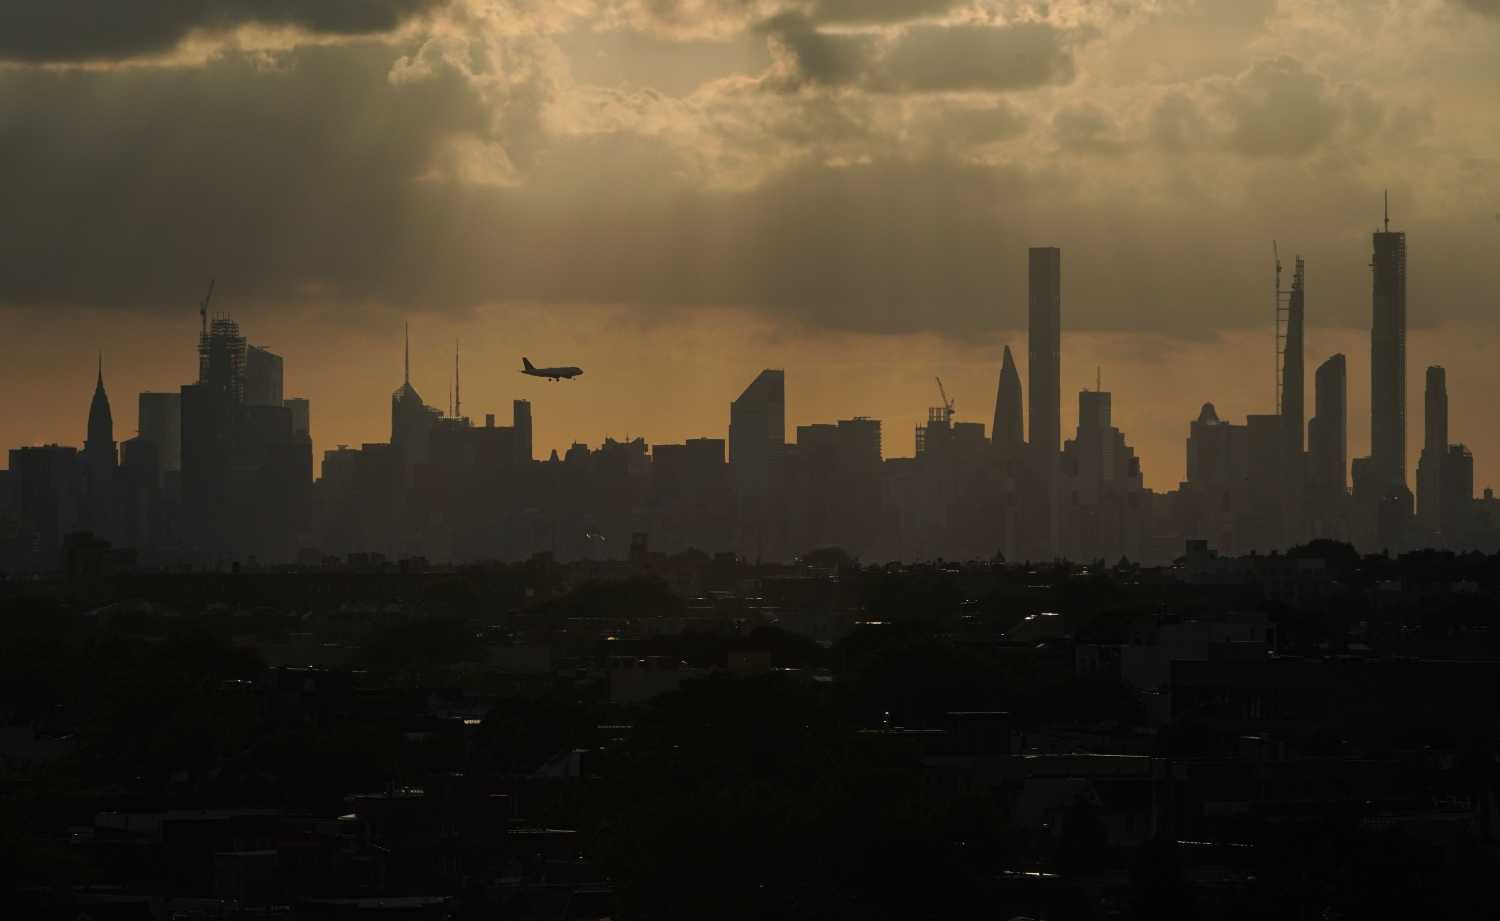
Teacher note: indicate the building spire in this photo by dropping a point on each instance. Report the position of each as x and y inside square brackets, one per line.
[1387, 210]
[407, 377]
[101, 368]
[457, 397]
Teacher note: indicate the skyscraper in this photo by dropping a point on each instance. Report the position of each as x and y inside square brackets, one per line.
[263, 377]
[1044, 347]
[757, 443]
[1008, 434]
[757, 432]
[99, 446]
[1293, 416]
[411, 418]
[1455, 519]
[520, 415]
[1388, 359]
[1328, 431]
[1434, 454]
[100, 458]
[301, 411]
[1436, 419]
[160, 423]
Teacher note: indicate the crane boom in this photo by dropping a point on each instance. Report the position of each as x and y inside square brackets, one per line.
[947, 403]
[203, 305]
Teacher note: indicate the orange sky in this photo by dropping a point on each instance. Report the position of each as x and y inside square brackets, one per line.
[671, 381]
[842, 189]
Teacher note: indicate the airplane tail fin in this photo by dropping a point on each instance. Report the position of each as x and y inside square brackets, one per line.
[527, 362]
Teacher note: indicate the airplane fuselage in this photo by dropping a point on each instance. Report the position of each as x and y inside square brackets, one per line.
[553, 374]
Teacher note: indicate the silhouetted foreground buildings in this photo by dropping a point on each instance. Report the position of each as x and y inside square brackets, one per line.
[683, 736]
[220, 474]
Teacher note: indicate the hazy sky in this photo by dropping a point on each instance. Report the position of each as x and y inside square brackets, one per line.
[675, 193]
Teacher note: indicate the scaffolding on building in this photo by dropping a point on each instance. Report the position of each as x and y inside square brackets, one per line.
[1283, 310]
[221, 357]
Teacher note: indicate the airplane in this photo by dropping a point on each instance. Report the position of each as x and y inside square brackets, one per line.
[556, 374]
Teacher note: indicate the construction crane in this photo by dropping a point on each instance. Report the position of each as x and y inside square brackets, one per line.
[203, 305]
[947, 403]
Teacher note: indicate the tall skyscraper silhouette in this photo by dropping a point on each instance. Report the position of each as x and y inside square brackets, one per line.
[1436, 416]
[100, 457]
[1388, 359]
[1044, 345]
[99, 446]
[1433, 458]
[1328, 431]
[411, 418]
[757, 432]
[1044, 348]
[757, 442]
[1008, 434]
[1293, 415]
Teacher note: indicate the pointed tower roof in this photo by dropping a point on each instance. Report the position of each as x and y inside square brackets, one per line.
[1008, 431]
[406, 392]
[101, 431]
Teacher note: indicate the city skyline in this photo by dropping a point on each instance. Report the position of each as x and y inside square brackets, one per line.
[442, 485]
[616, 181]
[1154, 416]
[744, 459]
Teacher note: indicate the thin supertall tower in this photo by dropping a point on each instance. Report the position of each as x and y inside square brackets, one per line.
[1290, 362]
[1388, 357]
[1044, 347]
[1434, 448]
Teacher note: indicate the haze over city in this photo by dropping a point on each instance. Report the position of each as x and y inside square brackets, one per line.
[676, 195]
[812, 460]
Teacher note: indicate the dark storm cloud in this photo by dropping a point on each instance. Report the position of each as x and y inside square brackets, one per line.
[103, 30]
[325, 182]
[312, 184]
[928, 58]
[133, 182]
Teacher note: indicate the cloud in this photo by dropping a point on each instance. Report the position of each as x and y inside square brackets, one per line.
[1087, 129]
[1024, 55]
[1483, 7]
[882, 177]
[836, 59]
[862, 12]
[1177, 125]
[107, 30]
[925, 58]
[1280, 108]
[959, 128]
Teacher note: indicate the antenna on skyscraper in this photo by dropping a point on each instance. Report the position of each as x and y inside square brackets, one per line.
[1098, 378]
[1387, 210]
[407, 376]
[457, 397]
